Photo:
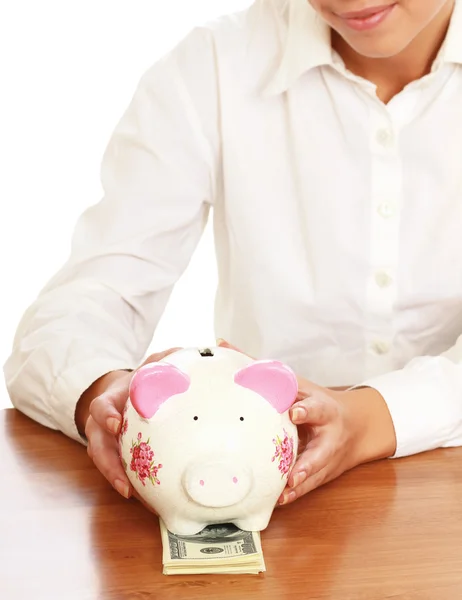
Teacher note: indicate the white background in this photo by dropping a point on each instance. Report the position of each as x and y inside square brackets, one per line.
[68, 71]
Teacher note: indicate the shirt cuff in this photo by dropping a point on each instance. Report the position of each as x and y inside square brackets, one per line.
[424, 404]
[69, 387]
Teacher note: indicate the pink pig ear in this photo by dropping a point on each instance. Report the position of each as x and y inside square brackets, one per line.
[271, 379]
[155, 383]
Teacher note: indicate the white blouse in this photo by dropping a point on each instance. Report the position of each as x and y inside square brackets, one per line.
[338, 224]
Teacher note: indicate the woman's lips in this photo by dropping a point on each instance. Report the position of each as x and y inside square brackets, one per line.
[368, 18]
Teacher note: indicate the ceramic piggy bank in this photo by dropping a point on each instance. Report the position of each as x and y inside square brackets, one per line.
[206, 438]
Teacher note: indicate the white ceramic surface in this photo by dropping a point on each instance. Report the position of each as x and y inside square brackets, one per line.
[208, 439]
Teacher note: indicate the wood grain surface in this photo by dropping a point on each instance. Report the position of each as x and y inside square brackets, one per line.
[389, 530]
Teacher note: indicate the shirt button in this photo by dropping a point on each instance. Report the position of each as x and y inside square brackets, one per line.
[385, 137]
[386, 210]
[383, 279]
[381, 347]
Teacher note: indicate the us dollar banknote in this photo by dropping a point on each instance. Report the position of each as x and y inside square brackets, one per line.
[221, 548]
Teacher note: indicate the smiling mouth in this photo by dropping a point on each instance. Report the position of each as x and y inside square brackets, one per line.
[367, 18]
[363, 14]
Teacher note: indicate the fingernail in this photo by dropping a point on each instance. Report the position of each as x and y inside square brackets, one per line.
[298, 413]
[299, 478]
[113, 425]
[282, 499]
[291, 496]
[122, 488]
[220, 341]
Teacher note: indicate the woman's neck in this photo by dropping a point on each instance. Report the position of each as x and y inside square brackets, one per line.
[392, 75]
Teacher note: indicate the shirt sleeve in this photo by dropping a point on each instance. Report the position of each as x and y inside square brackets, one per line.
[425, 401]
[99, 312]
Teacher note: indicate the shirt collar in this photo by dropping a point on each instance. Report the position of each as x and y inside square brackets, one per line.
[307, 45]
[452, 49]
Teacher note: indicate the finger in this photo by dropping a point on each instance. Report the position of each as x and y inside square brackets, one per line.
[105, 455]
[290, 495]
[143, 502]
[316, 409]
[307, 388]
[160, 356]
[305, 435]
[106, 409]
[342, 388]
[316, 457]
[224, 344]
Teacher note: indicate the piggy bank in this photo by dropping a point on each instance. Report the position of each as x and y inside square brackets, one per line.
[206, 438]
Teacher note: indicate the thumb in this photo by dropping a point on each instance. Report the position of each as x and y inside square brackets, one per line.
[106, 409]
[116, 394]
[224, 344]
[316, 409]
[158, 356]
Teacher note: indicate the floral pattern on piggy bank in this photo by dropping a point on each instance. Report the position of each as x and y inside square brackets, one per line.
[207, 438]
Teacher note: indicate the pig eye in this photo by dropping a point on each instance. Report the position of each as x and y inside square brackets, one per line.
[196, 418]
[242, 418]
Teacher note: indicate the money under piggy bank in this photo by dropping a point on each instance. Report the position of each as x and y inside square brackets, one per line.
[206, 438]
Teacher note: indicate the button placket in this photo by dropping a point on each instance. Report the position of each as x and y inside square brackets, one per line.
[386, 191]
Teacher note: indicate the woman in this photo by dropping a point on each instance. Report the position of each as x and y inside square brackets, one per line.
[327, 137]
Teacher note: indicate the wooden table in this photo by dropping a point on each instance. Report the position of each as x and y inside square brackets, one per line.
[387, 530]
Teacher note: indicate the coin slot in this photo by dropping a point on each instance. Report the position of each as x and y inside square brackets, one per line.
[206, 352]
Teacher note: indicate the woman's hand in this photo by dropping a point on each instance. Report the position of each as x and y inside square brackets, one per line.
[338, 431]
[99, 417]
[339, 428]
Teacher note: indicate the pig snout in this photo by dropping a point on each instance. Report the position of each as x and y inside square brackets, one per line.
[217, 484]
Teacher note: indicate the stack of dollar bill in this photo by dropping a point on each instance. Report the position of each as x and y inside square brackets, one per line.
[220, 548]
